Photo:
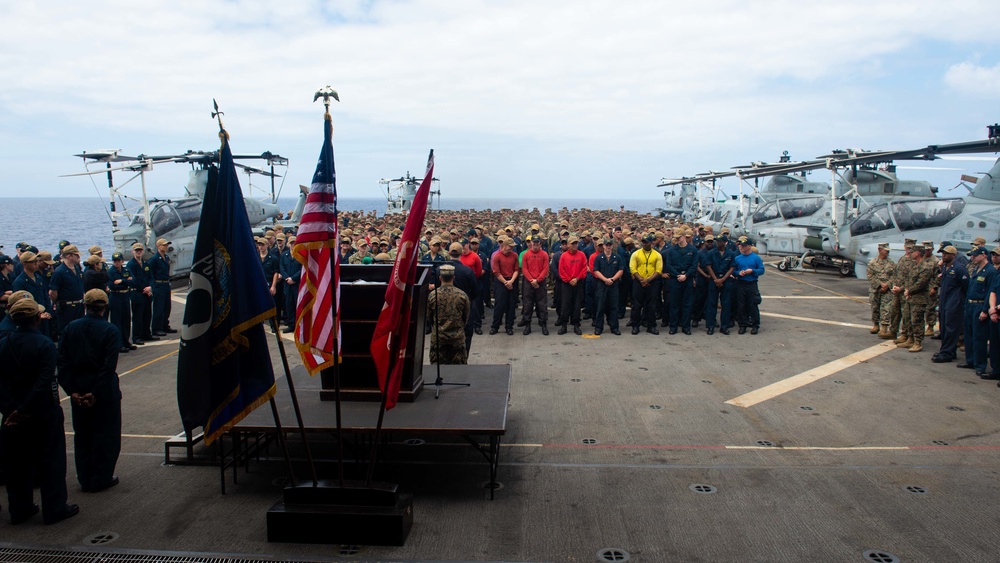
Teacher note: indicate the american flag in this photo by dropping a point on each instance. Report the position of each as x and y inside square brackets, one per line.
[317, 313]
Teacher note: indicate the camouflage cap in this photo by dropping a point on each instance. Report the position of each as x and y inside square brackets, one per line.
[917, 248]
[884, 245]
[447, 270]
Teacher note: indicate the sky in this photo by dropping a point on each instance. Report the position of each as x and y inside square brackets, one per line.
[581, 99]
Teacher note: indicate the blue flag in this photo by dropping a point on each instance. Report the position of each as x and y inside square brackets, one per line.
[224, 368]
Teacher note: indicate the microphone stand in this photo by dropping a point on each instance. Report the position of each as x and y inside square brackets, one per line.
[439, 381]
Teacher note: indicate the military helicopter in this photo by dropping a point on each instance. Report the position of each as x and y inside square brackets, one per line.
[958, 220]
[400, 192]
[138, 218]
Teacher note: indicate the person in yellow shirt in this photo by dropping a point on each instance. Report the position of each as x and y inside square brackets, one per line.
[646, 265]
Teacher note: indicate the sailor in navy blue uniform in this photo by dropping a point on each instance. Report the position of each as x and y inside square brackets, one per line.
[706, 246]
[951, 303]
[141, 296]
[6, 281]
[88, 358]
[291, 270]
[977, 319]
[608, 268]
[159, 269]
[721, 284]
[66, 289]
[682, 266]
[120, 289]
[32, 420]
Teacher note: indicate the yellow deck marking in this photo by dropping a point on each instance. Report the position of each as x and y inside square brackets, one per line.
[809, 320]
[784, 386]
[137, 368]
[855, 299]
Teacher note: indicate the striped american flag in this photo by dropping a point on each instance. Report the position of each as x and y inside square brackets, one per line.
[317, 313]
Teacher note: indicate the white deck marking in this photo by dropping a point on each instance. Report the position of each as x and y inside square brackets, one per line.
[792, 383]
[806, 297]
[811, 320]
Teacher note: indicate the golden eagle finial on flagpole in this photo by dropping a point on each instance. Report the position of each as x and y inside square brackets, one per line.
[326, 93]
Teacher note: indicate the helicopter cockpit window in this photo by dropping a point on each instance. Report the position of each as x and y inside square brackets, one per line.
[874, 219]
[164, 219]
[189, 212]
[800, 207]
[766, 213]
[926, 214]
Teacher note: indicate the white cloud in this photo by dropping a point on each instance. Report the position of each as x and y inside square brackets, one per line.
[974, 80]
[628, 76]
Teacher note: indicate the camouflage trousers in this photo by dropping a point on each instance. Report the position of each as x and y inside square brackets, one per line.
[900, 315]
[448, 351]
[881, 304]
[917, 304]
[932, 311]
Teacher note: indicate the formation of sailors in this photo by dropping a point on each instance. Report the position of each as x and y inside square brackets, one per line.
[957, 292]
[138, 288]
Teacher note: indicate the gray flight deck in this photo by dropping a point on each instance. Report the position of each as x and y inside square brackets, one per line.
[624, 443]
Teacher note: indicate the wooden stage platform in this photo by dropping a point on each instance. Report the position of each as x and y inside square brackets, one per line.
[474, 412]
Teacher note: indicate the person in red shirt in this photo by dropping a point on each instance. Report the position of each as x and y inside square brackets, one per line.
[505, 272]
[572, 271]
[534, 294]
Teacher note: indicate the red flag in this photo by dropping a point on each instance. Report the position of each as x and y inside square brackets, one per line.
[391, 332]
[317, 311]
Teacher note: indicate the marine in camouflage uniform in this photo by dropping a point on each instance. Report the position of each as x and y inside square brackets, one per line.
[880, 296]
[932, 304]
[900, 316]
[448, 308]
[916, 294]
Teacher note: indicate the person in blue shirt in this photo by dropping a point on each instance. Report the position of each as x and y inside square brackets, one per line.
[120, 301]
[141, 296]
[748, 269]
[291, 270]
[66, 289]
[682, 265]
[159, 268]
[33, 423]
[88, 358]
[721, 286]
[608, 269]
[951, 303]
[977, 322]
[702, 280]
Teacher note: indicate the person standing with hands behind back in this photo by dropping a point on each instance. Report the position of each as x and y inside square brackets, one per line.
[749, 267]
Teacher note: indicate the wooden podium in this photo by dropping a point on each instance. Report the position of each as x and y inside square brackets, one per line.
[362, 294]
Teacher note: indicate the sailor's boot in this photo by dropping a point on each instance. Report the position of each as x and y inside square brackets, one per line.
[908, 343]
[545, 330]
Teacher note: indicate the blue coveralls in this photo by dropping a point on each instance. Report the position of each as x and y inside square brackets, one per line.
[683, 260]
[951, 307]
[119, 301]
[159, 269]
[142, 305]
[977, 332]
[720, 262]
[88, 358]
[68, 283]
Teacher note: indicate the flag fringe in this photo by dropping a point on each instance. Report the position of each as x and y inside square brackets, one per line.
[211, 437]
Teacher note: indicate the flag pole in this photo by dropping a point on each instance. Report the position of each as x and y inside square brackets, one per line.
[295, 400]
[393, 357]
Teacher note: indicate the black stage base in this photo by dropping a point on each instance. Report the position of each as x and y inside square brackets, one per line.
[330, 514]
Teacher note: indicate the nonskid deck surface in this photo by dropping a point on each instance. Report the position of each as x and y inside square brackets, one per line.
[809, 441]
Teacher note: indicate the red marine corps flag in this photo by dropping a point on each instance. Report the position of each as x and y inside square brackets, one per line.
[391, 331]
[317, 314]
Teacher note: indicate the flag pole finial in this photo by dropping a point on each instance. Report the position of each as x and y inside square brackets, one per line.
[223, 134]
[326, 93]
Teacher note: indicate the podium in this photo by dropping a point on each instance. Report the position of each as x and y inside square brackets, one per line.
[362, 294]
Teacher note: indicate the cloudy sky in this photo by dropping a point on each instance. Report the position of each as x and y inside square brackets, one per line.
[518, 98]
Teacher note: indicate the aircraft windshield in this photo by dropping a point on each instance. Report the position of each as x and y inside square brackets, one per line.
[171, 216]
[874, 219]
[766, 213]
[926, 213]
[800, 207]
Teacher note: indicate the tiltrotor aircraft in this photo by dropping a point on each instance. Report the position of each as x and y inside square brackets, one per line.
[137, 218]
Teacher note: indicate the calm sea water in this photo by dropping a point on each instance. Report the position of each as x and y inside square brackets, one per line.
[84, 221]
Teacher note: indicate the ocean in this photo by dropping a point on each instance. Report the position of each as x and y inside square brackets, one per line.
[84, 221]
